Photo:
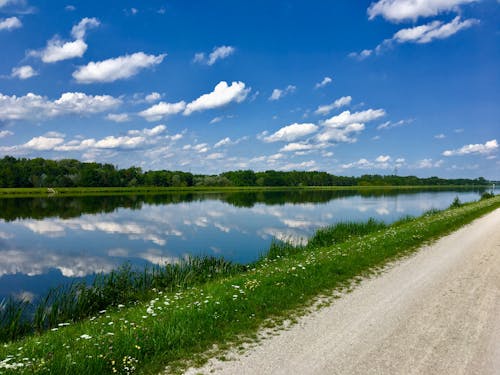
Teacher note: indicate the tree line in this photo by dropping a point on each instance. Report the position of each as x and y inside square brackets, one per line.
[39, 172]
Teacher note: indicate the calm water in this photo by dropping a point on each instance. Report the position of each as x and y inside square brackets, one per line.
[49, 241]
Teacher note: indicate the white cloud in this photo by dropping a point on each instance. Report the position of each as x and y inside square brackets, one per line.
[228, 142]
[361, 55]
[280, 93]
[434, 30]
[42, 143]
[222, 95]
[70, 8]
[292, 132]
[326, 109]
[344, 127]
[341, 133]
[223, 142]
[153, 97]
[121, 67]
[305, 165]
[346, 117]
[428, 163]
[389, 124]
[324, 82]
[215, 156]
[162, 109]
[78, 31]
[218, 53]
[383, 159]
[303, 146]
[381, 162]
[36, 107]
[23, 72]
[10, 23]
[118, 117]
[400, 10]
[419, 34]
[134, 139]
[478, 148]
[5, 133]
[440, 136]
[216, 119]
[58, 50]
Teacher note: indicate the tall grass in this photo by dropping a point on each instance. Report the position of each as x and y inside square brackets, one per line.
[123, 286]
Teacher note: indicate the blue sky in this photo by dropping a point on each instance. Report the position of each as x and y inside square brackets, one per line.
[348, 87]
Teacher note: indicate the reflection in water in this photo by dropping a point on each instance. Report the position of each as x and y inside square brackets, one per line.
[46, 241]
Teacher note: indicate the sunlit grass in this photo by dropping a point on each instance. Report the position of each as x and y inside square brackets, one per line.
[174, 326]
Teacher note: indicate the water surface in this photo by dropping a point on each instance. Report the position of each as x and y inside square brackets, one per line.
[48, 241]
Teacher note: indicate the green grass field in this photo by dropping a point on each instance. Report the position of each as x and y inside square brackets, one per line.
[174, 328]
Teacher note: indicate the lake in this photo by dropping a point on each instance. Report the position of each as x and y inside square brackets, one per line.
[45, 242]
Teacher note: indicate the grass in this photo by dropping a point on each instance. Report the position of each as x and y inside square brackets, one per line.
[173, 327]
[97, 191]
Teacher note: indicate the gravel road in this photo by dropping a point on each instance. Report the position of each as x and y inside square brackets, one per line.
[436, 312]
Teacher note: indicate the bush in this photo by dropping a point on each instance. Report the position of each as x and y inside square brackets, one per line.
[487, 195]
[456, 203]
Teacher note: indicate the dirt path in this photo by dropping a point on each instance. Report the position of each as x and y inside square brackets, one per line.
[437, 312]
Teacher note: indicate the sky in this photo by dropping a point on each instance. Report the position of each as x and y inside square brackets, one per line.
[410, 87]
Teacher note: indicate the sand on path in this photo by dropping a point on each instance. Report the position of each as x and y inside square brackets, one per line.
[436, 312]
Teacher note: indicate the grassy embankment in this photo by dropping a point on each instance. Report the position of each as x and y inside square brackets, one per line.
[180, 325]
[79, 191]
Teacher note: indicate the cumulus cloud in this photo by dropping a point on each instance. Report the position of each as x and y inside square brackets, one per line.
[389, 124]
[434, 30]
[218, 53]
[121, 67]
[380, 162]
[36, 107]
[292, 132]
[277, 94]
[23, 72]
[361, 55]
[162, 110]
[5, 133]
[428, 163]
[56, 142]
[215, 156]
[58, 50]
[229, 142]
[300, 147]
[223, 142]
[79, 30]
[401, 10]
[153, 97]
[346, 117]
[326, 109]
[10, 23]
[421, 34]
[118, 117]
[478, 148]
[222, 95]
[42, 143]
[345, 126]
[326, 81]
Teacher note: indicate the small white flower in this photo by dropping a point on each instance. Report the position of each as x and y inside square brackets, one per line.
[85, 336]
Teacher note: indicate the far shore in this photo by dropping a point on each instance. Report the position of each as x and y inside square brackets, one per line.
[78, 191]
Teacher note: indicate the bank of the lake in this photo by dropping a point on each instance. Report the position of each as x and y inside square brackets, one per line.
[155, 190]
[178, 326]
